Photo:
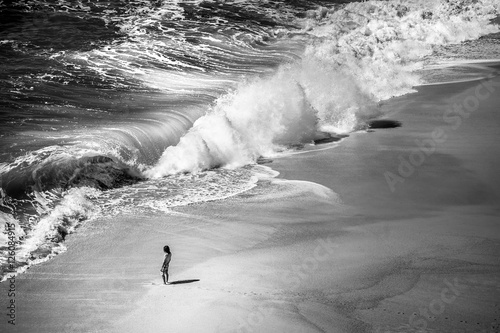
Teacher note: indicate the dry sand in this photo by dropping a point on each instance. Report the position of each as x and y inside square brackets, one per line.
[333, 251]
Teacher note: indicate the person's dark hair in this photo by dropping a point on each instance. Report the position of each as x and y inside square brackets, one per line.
[166, 249]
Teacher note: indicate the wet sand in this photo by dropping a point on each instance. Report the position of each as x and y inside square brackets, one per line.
[335, 250]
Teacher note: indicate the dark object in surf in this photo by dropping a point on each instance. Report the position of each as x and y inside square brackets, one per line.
[427, 15]
[263, 160]
[383, 123]
[401, 10]
[329, 138]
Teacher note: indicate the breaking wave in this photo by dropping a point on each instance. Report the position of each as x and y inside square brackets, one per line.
[355, 57]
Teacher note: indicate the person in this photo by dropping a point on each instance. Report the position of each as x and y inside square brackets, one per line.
[166, 262]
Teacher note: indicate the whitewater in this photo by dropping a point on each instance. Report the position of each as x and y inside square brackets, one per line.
[173, 104]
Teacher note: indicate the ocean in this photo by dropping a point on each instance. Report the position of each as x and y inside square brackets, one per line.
[112, 107]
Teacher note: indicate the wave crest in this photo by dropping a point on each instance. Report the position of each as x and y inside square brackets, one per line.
[357, 56]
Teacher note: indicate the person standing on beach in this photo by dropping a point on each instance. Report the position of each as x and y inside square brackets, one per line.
[166, 262]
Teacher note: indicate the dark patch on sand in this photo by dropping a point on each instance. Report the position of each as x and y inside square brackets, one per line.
[263, 160]
[383, 123]
[327, 138]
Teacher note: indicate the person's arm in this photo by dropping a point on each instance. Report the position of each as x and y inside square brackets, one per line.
[164, 264]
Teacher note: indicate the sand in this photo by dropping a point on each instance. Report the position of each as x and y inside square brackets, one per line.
[328, 246]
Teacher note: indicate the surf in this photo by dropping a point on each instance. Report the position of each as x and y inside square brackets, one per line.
[355, 57]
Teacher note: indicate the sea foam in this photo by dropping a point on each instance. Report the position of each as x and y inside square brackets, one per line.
[356, 56]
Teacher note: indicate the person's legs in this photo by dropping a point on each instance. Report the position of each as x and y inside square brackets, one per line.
[163, 276]
[166, 274]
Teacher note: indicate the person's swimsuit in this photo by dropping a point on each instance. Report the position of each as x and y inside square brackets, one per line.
[166, 262]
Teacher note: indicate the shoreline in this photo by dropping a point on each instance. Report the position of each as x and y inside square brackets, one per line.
[326, 246]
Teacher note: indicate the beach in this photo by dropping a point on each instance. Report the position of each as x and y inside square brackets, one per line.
[371, 234]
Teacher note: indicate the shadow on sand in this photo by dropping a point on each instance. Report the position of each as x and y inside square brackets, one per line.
[184, 281]
[384, 123]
